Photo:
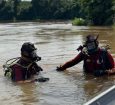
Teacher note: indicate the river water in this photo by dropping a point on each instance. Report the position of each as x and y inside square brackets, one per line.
[56, 44]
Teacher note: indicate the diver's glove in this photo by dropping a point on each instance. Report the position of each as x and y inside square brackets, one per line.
[99, 73]
[42, 79]
[59, 68]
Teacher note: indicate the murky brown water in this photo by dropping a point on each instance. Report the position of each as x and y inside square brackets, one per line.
[56, 43]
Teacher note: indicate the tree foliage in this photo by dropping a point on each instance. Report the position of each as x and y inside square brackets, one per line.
[6, 12]
[52, 9]
[98, 12]
[25, 11]
[15, 7]
[95, 12]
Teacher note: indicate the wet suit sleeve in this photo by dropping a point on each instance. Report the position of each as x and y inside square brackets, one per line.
[73, 62]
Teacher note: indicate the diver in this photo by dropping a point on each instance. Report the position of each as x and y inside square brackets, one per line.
[97, 61]
[23, 69]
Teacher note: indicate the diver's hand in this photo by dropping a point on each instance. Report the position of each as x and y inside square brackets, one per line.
[59, 68]
[42, 79]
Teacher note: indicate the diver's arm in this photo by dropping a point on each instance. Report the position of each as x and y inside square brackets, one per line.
[71, 63]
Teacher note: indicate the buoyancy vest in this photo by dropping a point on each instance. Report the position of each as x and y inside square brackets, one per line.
[22, 70]
[19, 72]
[97, 61]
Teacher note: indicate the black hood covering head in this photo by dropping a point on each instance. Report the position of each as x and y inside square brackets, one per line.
[28, 50]
[28, 47]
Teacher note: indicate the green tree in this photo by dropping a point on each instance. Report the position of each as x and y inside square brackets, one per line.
[75, 9]
[25, 11]
[98, 12]
[37, 6]
[54, 9]
[6, 12]
[15, 7]
[2, 5]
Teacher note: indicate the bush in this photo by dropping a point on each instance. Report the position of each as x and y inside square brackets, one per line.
[79, 22]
